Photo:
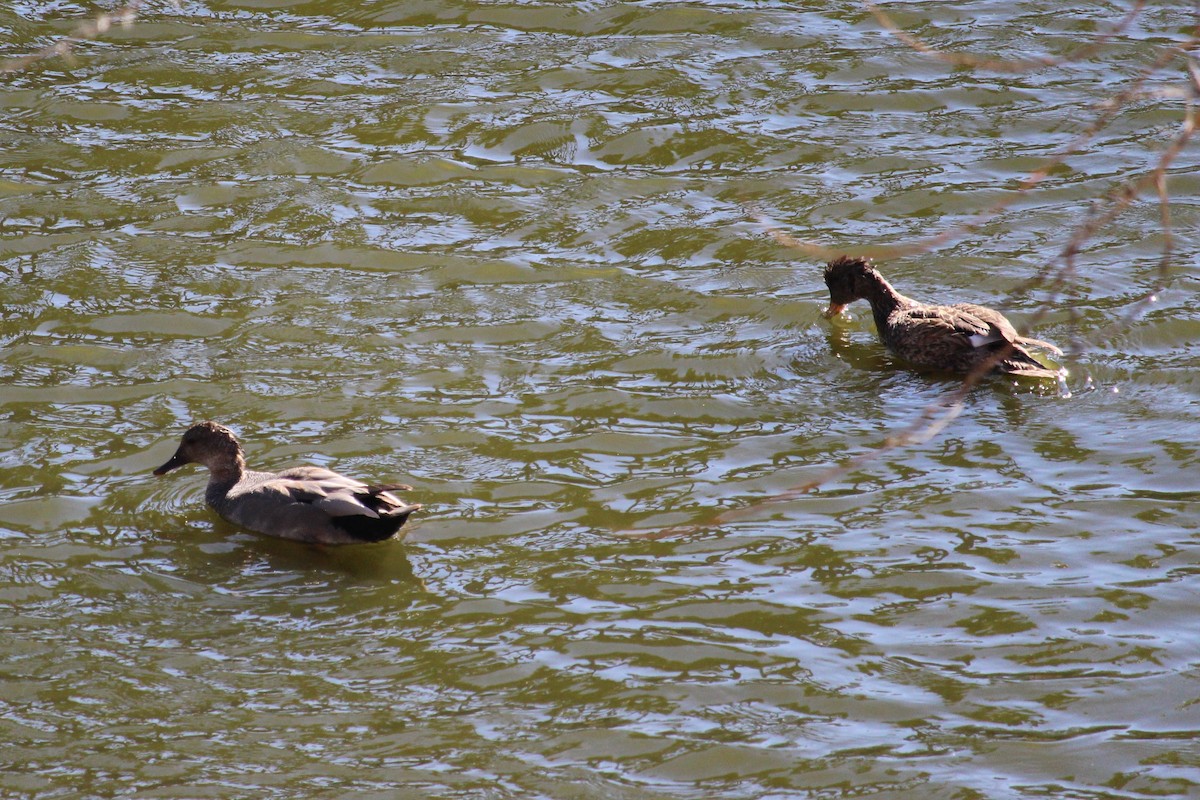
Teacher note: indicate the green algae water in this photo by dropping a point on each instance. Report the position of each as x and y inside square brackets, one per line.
[508, 252]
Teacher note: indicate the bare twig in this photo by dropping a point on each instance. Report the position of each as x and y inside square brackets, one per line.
[90, 29]
[1109, 112]
[1001, 65]
[1121, 198]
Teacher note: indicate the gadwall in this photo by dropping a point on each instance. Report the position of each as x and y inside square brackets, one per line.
[959, 338]
[309, 504]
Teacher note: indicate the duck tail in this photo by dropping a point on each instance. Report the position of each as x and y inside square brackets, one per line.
[380, 488]
[1023, 371]
[1053, 348]
[1022, 363]
[375, 529]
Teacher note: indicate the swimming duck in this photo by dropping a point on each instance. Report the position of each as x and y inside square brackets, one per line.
[959, 337]
[309, 504]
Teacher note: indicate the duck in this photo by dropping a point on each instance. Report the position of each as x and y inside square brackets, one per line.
[959, 338]
[306, 504]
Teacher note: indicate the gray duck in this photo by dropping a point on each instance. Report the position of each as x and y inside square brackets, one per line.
[308, 504]
[957, 337]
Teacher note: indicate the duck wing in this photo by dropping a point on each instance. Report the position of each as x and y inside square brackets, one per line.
[941, 336]
[1005, 328]
[990, 326]
[958, 338]
[334, 494]
[328, 477]
[280, 493]
[962, 336]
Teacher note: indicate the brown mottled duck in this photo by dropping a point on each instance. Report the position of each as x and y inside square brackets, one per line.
[958, 338]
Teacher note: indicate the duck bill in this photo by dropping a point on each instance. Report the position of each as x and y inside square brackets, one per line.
[834, 309]
[177, 460]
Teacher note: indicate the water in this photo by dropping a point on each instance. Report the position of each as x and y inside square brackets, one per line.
[507, 253]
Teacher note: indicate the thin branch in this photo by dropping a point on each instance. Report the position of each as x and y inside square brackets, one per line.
[1126, 194]
[85, 31]
[1109, 112]
[1001, 65]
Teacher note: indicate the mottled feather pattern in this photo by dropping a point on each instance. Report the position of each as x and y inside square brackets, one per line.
[958, 338]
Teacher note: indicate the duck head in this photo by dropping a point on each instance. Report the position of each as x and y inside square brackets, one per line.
[209, 444]
[849, 278]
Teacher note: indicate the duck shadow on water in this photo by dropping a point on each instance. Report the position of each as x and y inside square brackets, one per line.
[256, 563]
[849, 346]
